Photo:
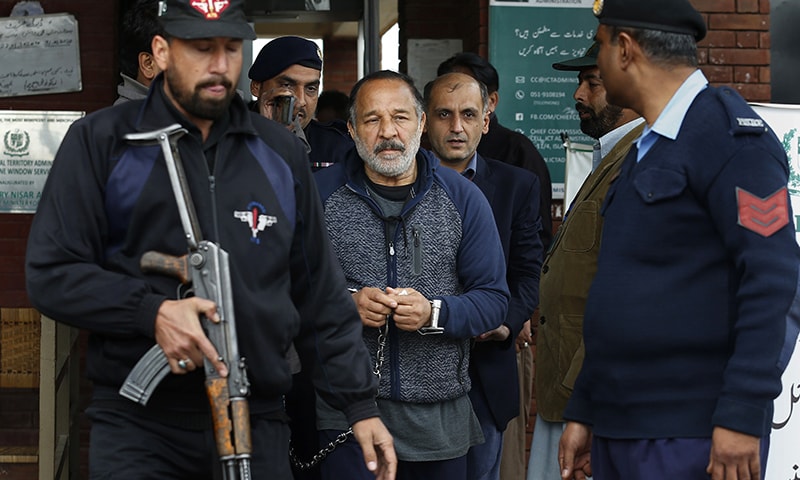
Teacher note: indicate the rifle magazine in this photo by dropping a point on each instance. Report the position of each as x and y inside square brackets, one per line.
[145, 376]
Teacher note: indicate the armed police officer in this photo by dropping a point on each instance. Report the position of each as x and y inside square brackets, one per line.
[106, 202]
[287, 71]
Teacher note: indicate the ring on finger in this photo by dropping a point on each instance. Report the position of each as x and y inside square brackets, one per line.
[184, 363]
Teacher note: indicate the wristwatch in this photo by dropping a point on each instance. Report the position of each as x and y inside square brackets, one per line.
[433, 328]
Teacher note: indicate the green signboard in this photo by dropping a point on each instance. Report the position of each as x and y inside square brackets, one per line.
[525, 39]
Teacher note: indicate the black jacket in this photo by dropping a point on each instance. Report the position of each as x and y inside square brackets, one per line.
[330, 142]
[107, 202]
[516, 149]
[514, 196]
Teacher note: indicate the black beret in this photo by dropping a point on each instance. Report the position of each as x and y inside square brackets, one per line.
[674, 16]
[588, 60]
[282, 53]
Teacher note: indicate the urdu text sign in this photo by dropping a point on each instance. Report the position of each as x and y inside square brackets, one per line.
[40, 55]
[784, 456]
[525, 39]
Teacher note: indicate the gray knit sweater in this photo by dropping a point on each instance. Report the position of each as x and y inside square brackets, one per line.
[445, 246]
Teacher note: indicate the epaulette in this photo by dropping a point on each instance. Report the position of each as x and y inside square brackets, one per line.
[743, 120]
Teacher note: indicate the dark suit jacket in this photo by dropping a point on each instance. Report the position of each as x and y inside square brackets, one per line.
[516, 149]
[513, 194]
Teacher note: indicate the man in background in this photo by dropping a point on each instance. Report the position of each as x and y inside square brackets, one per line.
[291, 67]
[500, 142]
[570, 264]
[516, 149]
[332, 106]
[457, 108]
[137, 66]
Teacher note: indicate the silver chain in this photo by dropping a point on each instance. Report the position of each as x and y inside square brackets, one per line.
[320, 456]
[382, 334]
[330, 447]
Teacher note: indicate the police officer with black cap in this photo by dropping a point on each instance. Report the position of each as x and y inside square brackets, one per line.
[692, 313]
[108, 200]
[285, 80]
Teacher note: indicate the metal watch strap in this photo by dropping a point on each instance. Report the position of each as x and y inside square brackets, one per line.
[433, 328]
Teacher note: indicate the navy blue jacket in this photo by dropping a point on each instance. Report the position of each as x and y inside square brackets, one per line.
[106, 202]
[686, 319]
[445, 246]
[329, 143]
[513, 194]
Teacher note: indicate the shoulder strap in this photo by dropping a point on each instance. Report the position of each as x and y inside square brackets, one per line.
[743, 119]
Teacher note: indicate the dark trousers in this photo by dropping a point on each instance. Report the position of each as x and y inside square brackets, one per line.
[347, 462]
[660, 459]
[302, 410]
[124, 445]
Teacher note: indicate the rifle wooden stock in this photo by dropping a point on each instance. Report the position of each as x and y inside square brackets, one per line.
[170, 265]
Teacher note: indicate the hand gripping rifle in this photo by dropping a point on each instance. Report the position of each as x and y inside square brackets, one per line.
[206, 267]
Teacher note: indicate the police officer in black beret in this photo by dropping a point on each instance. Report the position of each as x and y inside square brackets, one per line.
[692, 313]
[285, 79]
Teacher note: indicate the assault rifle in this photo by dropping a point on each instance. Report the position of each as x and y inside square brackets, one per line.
[206, 268]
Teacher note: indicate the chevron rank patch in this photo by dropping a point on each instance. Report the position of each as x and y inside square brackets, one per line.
[763, 216]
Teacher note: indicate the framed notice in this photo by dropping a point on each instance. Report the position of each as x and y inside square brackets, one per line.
[40, 55]
[30, 140]
[425, 55]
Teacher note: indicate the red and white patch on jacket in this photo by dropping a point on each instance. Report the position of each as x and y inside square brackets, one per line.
[210, 8]
[764, 216]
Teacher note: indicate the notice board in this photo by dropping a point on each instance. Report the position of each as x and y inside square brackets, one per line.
[40, 54]
[30, 140]
[525, 39]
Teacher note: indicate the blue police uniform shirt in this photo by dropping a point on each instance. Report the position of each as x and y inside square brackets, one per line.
[669, 122]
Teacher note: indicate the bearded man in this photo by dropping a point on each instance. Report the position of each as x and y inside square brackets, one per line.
[423, 260]
[570, 264]
[108, 201]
